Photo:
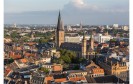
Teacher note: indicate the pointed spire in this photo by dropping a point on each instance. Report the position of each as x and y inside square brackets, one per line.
[59, 17]
[60, 25]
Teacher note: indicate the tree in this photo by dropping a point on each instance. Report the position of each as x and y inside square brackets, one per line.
[66, 59]
[66, 66]
[63, 52]
[61, 61]
[54, 60]
[121, 35]
[15, 35]
[67, 56]
[115, 31]
[11, 60]
[42, 40]
[15, 39]
[76, 67]
[25, 39]
[6, 35]
[44, 70]
[71, 54]
[79, 60]
[113, 40]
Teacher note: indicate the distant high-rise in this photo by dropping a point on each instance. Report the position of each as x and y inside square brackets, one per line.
[115, 25]
[59, 32]
[14, 25]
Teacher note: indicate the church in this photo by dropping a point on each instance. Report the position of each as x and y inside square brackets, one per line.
[82, 49]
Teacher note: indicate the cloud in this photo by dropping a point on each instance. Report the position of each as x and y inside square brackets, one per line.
[103, 7]
[104, 12]
[78, 2]
[80, 5]
[87, 11]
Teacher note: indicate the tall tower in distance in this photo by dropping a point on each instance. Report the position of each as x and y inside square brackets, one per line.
[84, 43]
[81, 26]
[59, 32]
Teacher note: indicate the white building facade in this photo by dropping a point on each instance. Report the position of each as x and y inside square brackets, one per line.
[101, 38]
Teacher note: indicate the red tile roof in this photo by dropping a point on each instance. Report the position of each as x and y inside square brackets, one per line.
[105, 45]
[57, 67]
[7, 71]
[14, 56]
[47, 79]
[29, 54]
[31, 43]
[77, 78]
[98, 71]
[23, 60]
[18, 48]
[60, 80]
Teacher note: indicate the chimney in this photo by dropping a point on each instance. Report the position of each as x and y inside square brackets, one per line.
[123, 59]
[111, 62]
[106, 59]
[117, 63]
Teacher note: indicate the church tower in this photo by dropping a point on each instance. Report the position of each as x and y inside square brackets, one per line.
[92, 42]
[84, 43]
[59, 32]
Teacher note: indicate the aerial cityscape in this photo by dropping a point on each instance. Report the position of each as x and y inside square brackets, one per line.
[66, 53]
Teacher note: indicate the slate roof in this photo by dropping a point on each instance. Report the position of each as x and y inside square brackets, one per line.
[109, 60]
[108, 79]
[38, 78]
[12, 82]
[6, 81]
[44, 46]
[28, 68]
[71, 46]
[58, 76]
[13, 66]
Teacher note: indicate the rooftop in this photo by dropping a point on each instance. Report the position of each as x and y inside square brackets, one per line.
[108, 79]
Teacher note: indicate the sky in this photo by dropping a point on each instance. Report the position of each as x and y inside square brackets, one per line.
[91, 12]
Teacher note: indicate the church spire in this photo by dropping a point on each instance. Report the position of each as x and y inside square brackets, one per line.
[59, 32]
[60, 25]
